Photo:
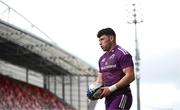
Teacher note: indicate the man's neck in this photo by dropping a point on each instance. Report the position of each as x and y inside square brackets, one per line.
[112, 47]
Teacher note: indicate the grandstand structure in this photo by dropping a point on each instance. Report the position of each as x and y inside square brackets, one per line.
[28, 58]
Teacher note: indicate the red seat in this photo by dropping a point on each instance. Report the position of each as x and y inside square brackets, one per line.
[15, 94]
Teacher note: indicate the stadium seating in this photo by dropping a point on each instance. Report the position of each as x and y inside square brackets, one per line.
[18, 95]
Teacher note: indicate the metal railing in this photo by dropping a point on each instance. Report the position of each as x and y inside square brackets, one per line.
[13, 17]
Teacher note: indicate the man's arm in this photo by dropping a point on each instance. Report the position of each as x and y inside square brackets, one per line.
[99, 78]
[126, 80]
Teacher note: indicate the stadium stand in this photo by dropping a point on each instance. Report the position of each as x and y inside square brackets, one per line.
[39, 68]
[17, 95]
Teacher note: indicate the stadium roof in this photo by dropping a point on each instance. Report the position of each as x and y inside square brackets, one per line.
[25, 49]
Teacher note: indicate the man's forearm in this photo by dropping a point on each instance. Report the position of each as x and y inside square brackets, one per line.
[99, 78]
[127, 79]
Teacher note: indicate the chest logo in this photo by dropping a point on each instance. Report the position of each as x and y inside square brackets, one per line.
[112, 56]
[103, 60]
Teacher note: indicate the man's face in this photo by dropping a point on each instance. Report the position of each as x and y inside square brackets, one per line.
[105, 42]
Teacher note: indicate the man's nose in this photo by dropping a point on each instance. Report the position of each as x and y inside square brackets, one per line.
[100, 43]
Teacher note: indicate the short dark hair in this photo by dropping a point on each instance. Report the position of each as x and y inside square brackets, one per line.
[106, 31]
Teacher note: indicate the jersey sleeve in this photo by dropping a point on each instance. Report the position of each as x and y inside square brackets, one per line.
[125, 60]
[99, 65]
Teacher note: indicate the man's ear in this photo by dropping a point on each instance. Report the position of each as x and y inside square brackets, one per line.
[112, 38]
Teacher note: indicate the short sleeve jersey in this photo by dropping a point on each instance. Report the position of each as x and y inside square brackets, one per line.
[111, 65]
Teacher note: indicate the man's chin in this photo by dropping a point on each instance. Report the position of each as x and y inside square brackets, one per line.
[104, 50]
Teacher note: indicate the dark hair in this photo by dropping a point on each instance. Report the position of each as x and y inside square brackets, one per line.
[106, 31]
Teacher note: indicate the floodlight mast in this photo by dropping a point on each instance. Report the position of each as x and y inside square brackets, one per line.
[137, 55]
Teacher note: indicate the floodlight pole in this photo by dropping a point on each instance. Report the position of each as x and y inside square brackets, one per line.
[137, 57]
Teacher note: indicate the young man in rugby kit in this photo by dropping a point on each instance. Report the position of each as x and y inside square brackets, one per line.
[116, 72]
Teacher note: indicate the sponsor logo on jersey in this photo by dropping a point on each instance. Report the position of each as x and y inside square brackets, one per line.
[108, 67]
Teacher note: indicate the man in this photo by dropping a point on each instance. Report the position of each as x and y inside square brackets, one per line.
[116, 72]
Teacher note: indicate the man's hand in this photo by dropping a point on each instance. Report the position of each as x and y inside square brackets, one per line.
[105, 92]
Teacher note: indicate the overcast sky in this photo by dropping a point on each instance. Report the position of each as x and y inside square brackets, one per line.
[73, 25]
